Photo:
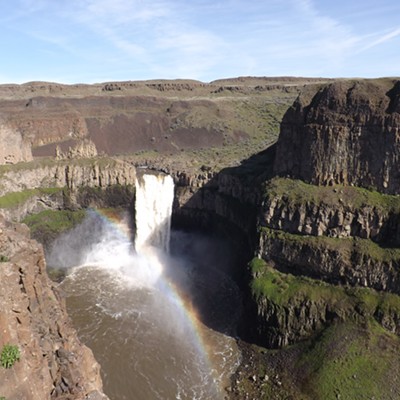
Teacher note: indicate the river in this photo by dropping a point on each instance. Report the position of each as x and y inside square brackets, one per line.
[161, 324]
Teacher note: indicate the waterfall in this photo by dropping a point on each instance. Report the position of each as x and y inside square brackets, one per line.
[153, 208]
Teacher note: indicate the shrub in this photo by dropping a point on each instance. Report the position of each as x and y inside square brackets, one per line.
[3, 258]
[9, 355]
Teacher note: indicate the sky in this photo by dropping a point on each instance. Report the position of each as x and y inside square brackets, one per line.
[88, 41]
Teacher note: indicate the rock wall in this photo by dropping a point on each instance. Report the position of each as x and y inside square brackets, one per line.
[53, 362]
[100, 172]
[85, 183]
[298, 307]
[14, 146]
[342, 140]
[346, 133]
[355, 262]
[334, 212]
[207, 199]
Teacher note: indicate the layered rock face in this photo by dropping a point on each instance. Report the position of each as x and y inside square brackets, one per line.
[341, 234]
[89, 173]
[346, 133]
[87, 182]
[343, 140]
[167, 117]
[53, 362]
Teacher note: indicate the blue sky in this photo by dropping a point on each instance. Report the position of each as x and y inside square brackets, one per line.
[89, 41]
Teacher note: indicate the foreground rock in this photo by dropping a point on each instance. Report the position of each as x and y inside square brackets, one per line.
[53, 363]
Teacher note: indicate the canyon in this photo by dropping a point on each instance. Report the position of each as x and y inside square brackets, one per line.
[299, 174]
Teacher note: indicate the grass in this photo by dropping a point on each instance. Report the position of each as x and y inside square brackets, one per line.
[283, 289]
[346, 246]
[350, 361]
[47, 225]
[346, 360]
[31, 165]
[13, 199]
[9, 355]
[286, 289]
[353, 357]
[297, 192]
[372, 250]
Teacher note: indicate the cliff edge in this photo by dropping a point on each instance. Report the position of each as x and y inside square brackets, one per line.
[346, 133]
[53, 363]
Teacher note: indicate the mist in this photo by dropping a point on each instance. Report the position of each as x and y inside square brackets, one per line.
[161, 323]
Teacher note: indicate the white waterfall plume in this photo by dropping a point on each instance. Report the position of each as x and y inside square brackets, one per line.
[153, 208]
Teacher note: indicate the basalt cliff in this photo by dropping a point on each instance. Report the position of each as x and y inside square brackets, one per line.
[52, 363]
[311, 203]
[346, 133]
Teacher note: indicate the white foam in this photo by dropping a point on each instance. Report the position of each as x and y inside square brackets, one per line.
[153, 208]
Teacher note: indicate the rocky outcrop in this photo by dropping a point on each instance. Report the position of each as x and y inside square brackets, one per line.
[82, 149]
[154, 117]
[296, 307]
[85, 182]
[207, 198]
[36, 202]
[355, 262]
[339, 238]
[340, 212]
[15, 147]
[100, 173]
[320, 220]
[346, 133]
[281, 325]
[53, 362]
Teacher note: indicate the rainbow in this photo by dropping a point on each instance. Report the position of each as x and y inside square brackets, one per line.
[175, 296]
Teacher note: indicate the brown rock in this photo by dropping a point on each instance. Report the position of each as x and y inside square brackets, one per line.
[346, 133]
[53, 362]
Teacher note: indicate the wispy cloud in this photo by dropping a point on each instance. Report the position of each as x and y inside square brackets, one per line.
[382, 39]
[201, 39]
[152, 33]
[328, 37]
[117, 12]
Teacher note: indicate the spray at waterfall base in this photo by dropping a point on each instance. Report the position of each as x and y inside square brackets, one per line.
[167, 280]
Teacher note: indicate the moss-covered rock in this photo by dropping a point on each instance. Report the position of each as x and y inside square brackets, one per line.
[291, 308]
[346, 360]
[47, 225]
[339, 211]
[353, 261]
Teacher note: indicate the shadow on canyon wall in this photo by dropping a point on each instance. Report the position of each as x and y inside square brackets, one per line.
[218, 225]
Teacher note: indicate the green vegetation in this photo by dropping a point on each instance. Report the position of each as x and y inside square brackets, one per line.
[47, 225]
[346, 246]
[347, 360]
[339, 244]
[352, 357]
[13, 199]
[9, 355]
[31, 165]
[297, 192]
[284, 289]
[350, 361]
[4, 258]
